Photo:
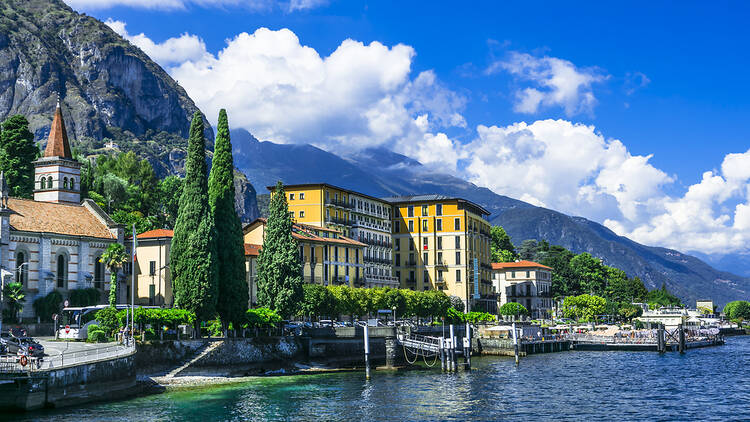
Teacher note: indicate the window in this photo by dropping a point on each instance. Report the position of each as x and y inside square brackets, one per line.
[22, 268]
[438, 225]
[291, 197]
[346, 255]
[458, 258]
[62, 272]
[152, 268]
[410, 211]
[336, 253]
[426, 276]
[457, 224]
[72, 184]
[411, 276]
[458, 276]
[458, 242]
[49, 182]
[291, 214]
[439, 243]
[528, 274]
[411, 244]
[424, 225]
[396, 226]
[411, 259]
[439, 259]
[411, 225]
[301, 214]
[513, 274]
[398, 260]
[439, 209]
[424, 243]
[302, 195]
[65, 183]
[397, 244]
[425, 259]
[151, 294]
[398, 275]
[424, 210]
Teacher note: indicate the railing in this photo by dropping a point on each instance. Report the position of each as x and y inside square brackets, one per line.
[373, 242]
[13, 363]
[339, 203]
[339, 221]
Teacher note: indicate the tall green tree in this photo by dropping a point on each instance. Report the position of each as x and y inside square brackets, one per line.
[527, 250]
[590, 272]
[193, 249]
[17, 152]
[501, 247]
[233, 295]
[170, 190]
[113, 258]
[279, 278]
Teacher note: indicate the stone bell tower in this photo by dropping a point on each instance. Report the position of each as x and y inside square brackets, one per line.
[57, 176]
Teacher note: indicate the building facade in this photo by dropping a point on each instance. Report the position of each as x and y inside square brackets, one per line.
[527, 283]
[355, 215]
[153, 277]
[251, 270]
[327, 257]
[54, 241]
[443, 243]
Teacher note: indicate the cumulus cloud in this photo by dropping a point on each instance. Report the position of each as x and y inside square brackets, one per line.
[556, 82]
[174, 50]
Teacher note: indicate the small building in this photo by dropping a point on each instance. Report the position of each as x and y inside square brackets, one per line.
[327, 257]
[54, 241]
[153, 278]
[705, 304]
[252, 252]
[525, 282]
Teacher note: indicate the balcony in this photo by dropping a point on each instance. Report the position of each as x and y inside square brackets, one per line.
[339, 221]
[373, 242]
[384, 261]
[441, 263]
[381, 279]
[339, 204]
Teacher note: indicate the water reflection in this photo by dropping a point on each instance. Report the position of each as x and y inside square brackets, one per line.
[701, 385]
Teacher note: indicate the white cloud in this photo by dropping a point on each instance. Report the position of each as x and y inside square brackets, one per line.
[557, 82]
[174, 50]
[306, 4]
[366, 95]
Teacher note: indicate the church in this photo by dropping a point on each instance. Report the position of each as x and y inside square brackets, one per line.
[54, 241]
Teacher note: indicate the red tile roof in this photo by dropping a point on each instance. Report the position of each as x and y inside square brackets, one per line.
[518, 264]
[51, 217]
[252, 250]
[57, 144]
[151, 234]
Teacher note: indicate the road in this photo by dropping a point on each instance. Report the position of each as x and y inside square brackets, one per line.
[55, 348]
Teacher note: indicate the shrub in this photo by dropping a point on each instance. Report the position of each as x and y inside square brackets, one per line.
[514, 309]
[453, 316]
[109, 320]
[96, 336]
[262, 316]
[46, 306]
[84, 297]
[475, 317]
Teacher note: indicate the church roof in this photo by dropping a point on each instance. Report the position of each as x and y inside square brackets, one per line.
[57, 144]
[50, 217]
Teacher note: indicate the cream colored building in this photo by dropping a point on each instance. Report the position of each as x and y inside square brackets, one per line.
[252, 252]
[153, 277]
[443, 243]
[525, 282]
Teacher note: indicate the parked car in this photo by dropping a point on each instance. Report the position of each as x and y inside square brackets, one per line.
[18, 344]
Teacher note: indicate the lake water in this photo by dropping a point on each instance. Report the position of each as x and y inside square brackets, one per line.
[704, 384]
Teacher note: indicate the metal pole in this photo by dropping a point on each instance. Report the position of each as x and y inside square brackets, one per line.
[442, 353]
[453, 349]
[467, 346]
[515, 342]
[367, 353]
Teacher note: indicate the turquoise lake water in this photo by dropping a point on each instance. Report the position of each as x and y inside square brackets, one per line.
[704, 384]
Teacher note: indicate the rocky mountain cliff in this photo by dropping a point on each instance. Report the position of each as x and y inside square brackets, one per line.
[114, 96]
[380, 172]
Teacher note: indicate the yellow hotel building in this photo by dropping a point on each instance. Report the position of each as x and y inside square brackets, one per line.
[361, 217]
[436, 240]
[327, 257]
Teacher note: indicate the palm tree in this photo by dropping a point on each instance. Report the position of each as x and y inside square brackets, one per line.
[14, 294]
[114, 257]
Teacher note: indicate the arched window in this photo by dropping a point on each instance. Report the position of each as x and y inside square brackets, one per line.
[62, 272]
[22, 268]
[65, 183]
[98, 273]
[42, 182]
[49, 182]
[72, 184]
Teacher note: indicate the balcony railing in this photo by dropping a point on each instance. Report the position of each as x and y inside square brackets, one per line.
[374, 242]
[441, 263]
[339, 203]
[385, 261]
[339, 221]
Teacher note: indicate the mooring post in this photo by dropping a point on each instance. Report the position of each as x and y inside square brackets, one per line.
[660, 341]
[467, 346]
[453, 349]
[682, 338]
[442, 354]
[515, 342]
[367, 353]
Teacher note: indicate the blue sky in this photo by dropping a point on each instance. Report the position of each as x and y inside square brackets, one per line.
[660, 87]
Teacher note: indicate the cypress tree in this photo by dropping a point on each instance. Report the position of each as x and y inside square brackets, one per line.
[17, 152]
[279, 278]
[233, 295]
[193, 249]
